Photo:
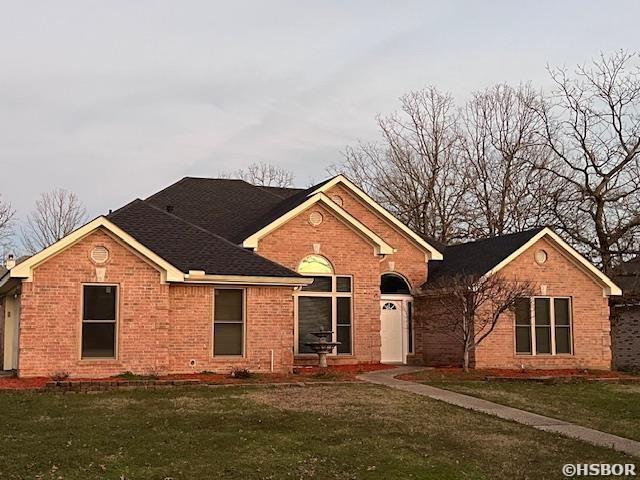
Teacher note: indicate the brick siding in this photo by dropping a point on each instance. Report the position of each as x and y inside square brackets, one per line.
[350, 254]
[625, 330]
[161, 327]
[590, 319]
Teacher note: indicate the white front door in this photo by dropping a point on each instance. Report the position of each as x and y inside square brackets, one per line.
[391, 331]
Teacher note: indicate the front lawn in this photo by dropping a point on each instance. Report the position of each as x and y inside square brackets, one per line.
[610, 407]
[330, 431]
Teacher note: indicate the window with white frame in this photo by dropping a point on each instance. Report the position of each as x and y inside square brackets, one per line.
[326, 304]
[99, 319]
[543, 326]
[228, 321]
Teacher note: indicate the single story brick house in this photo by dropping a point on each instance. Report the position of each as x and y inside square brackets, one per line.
[212, 274]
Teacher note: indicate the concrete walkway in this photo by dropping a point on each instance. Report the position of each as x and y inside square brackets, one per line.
[596, 437]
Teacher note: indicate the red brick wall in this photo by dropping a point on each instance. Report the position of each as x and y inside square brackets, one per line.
[349, 254]
[269, 326]
[160, 327]
[625, 332]
[434, 343]
[590, 310]
[409, 260]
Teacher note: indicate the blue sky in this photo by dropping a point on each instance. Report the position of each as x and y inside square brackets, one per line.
[116, 99]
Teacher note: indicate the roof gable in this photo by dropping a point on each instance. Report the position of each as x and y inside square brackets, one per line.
[480, 256]
[25, 269]
[381, 246]
[430, 250]
[294, 202]
[489, 256]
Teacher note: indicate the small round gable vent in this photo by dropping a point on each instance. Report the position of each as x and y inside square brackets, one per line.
[315, 218]
[540, 257]
[337, 199]
[99, 254]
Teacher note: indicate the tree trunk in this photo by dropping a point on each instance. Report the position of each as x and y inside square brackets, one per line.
[466, 359]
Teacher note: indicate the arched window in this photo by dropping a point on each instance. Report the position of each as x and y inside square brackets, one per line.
[325, 305]
[391, 283]
[315, 264]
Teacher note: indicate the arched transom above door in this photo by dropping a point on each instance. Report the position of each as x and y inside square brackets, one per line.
[394, 284]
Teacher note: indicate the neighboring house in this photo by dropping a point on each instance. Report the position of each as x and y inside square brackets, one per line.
[212, 274]
[625, 317]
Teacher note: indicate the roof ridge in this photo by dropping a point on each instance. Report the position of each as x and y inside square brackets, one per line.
[215, 178]
[190, 177]
[484, 239]
[262, 187]
[124, 207]
[166, 188]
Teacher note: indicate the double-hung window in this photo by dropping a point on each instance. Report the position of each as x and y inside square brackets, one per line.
[228, 321]
[324, 305]
[99, 321]
[543, 326]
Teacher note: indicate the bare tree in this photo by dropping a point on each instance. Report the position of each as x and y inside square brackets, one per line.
[57, 213]
[264, 174]
[415, 171]
[592, 126]
[7, 214]
[501, 147]
[468, 307]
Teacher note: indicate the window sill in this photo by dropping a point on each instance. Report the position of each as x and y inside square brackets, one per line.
[100, 359]
[315, 355]
[545, 355]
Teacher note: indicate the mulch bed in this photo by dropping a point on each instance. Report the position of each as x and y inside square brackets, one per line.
[337, 373]
[457, 374]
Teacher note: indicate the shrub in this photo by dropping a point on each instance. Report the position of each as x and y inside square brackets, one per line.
[60, 376]
[240, 373]
[129, 375]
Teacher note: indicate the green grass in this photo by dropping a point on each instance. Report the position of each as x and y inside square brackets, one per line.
[325, 432]
[610, 407]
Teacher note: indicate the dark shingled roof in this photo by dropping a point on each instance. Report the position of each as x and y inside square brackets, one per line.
[627, 277]
[478, 257]
[233, 209]
[189, 247]
[221, 206]
[283, 192]
[280, 209]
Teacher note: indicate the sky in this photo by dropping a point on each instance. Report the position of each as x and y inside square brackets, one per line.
[115, 99]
